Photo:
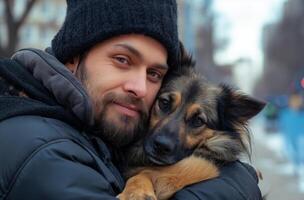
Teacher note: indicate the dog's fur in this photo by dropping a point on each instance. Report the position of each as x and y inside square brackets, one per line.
[194, 128]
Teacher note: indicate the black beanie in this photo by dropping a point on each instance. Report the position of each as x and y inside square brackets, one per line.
[89, 22]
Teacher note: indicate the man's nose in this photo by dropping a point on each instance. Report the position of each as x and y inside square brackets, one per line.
[137, 84]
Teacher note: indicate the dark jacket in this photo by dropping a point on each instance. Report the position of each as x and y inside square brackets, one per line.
[46, 154]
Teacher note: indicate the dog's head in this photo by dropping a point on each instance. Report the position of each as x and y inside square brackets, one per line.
[193, 116]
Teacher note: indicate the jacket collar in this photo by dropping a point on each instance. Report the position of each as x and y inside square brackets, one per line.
[60, 82]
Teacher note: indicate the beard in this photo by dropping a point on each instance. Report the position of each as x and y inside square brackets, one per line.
[121, 130]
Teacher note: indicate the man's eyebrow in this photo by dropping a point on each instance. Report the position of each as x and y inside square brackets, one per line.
[161, 66]
[131, 49]
[140, 56]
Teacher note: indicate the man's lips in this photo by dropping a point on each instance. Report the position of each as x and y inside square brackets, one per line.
[127, 109]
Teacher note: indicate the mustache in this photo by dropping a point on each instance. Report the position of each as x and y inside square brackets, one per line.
[117, 136]
[113, 97]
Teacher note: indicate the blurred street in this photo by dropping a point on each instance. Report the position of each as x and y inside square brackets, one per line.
[280, 179]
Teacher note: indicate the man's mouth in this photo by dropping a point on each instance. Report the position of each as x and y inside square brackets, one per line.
[130, 110]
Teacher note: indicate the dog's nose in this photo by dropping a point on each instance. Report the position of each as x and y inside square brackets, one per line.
[163, 145]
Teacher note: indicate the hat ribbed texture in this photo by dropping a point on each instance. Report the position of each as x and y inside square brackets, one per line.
[88, 22]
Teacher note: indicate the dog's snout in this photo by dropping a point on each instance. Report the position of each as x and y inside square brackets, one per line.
[163, 144]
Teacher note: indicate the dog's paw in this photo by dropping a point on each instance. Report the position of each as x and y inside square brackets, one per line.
[136, 195]
[138, 187]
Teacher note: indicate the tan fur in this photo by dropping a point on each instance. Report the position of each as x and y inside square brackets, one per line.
[142, 184]
[182, 131]
[195, 139]
[192, 109]
[216, 142]
[154, 119]
[169, 179]
[177, 99]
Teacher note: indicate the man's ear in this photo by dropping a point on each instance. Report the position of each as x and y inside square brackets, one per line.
[72, 64]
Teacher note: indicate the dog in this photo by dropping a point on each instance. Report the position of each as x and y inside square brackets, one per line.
[195, 127]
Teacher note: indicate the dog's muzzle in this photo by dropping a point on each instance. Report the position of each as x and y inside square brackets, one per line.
[161, 149]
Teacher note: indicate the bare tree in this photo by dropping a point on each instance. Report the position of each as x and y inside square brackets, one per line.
[13, 25]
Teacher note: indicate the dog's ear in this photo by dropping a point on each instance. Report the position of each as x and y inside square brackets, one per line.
[236, 106]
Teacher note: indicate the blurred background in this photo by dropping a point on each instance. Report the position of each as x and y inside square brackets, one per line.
[257, 46]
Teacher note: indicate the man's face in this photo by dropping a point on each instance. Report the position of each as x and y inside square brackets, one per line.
[122, 76]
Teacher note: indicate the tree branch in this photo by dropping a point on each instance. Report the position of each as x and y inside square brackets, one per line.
[28, 7]
[8, 12]
[13, 25]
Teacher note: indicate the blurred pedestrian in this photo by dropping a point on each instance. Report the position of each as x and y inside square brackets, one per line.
[271, 113]
[292, 126]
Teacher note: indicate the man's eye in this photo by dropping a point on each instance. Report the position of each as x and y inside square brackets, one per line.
[121, 60]
[164, 104]
[155, 76]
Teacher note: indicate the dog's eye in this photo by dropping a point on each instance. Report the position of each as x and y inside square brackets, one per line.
[164, 104]
[196, 122]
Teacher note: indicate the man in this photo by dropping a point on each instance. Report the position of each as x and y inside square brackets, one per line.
[64, 110]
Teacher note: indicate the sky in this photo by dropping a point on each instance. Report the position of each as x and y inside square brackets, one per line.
[241, 22]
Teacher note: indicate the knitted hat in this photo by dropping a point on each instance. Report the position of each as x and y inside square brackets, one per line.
[89, 22]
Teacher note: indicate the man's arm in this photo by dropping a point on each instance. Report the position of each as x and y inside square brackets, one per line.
[237, 181]
[61, 170]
